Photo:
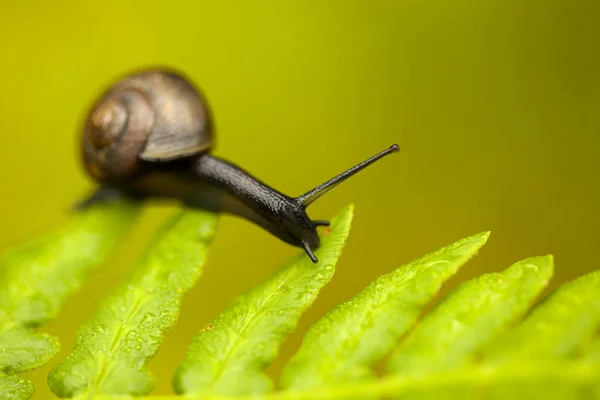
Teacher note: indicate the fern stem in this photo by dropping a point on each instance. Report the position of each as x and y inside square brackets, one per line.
[576, 373]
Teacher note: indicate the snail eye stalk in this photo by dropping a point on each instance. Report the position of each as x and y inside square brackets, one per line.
[310, 253]
[321, 222]
[309, 197]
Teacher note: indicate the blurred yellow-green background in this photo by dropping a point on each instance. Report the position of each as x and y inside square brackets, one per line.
[494, 104]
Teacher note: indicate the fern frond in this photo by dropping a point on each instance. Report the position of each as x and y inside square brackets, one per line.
[472, 382]
[343, 345]
[21, 348]
[15, 387]
[36, 280]
[472, 315]
[230, 355]
[561, 327]
[39, 277]
[113, 348]
[465, 348]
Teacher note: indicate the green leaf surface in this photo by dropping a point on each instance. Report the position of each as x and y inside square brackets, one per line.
[343, 345]
[22, 349]
[114, 347]
[229, 356]
[592, 357]
[561, 326]
[573, 379]
[576, 380]
[472, 315]
[37, 279]
[15, 387]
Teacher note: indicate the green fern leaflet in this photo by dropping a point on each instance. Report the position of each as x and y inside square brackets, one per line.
[488, 339]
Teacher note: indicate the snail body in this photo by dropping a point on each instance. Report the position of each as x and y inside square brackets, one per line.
[150, 136]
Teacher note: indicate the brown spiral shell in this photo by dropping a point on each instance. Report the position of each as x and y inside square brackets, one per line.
[154, 115]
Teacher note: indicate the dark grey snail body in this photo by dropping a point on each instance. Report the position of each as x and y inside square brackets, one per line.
[149, 136]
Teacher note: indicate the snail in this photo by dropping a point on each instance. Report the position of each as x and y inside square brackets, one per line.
[150, 136]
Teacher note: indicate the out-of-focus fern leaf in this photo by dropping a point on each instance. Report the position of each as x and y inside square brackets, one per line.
[14, 387]
[560, 327]
[346, 342]
[470, 316]
[593, 357]
[229, 356]
[22, 348]
[36, 280]
[553, 354]
[113, 348]
[472, 382]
